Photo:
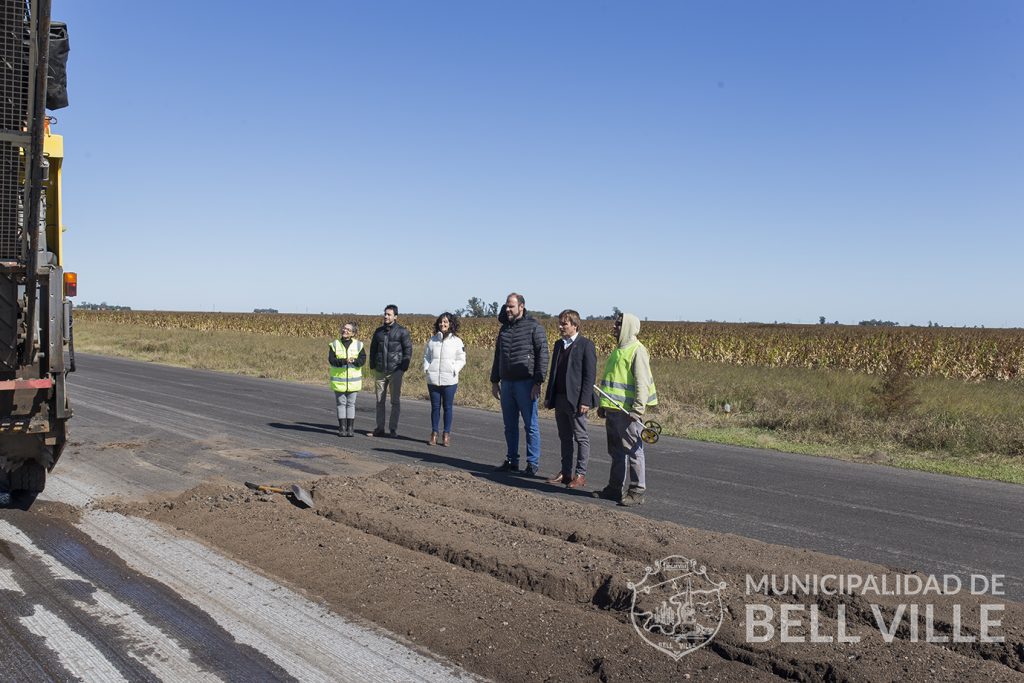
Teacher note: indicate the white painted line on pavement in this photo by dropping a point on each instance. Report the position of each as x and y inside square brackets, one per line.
[308, 641]
[59, 489]
[146, 643]
[8, 582]
[75, 653]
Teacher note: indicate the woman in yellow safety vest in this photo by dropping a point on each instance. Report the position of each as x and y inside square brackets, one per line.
[346, 357]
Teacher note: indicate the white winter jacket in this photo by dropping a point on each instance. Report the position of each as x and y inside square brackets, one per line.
[443, 359]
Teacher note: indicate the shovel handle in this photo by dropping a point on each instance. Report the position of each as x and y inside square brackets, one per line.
[618, 405]
[649, 431]
[265, 489]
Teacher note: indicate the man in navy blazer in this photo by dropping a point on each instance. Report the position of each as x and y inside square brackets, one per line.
[570, 393]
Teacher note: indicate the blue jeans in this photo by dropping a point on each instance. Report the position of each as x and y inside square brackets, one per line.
[516, 403]
[441, 396]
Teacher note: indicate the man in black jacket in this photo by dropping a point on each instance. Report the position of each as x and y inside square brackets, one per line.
[520, 360]
[390, 353]
[571, 393]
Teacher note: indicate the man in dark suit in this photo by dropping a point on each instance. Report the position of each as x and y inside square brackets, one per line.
[570, 393]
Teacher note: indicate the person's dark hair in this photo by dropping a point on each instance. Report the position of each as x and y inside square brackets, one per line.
[394, 309]
[519, 297]
[453, 322]
[570, 315]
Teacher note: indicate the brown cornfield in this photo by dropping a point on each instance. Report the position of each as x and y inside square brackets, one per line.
[962, 353]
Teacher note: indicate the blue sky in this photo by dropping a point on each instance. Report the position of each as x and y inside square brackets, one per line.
[741, 161]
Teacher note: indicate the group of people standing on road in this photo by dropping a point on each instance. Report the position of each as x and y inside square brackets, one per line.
[519, 369]
[390, 357]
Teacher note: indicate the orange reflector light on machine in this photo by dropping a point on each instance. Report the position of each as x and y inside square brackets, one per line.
[70, 284]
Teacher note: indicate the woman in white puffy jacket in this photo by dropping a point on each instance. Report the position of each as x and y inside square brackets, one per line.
[443, 359]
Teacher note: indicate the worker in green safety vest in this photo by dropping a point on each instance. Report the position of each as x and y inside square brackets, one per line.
[628, 380]
[346, 357]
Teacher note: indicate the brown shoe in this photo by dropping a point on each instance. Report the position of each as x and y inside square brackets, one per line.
[433, 439]
[560, 479]
[577, 482]
[447, 439]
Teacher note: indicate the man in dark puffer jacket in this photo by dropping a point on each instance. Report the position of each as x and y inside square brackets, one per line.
[520, 361]
[390, 353]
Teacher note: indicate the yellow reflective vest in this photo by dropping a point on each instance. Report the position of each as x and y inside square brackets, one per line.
[349, 378]
[618, 380]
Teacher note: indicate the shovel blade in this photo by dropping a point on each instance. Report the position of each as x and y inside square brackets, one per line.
[302, 495]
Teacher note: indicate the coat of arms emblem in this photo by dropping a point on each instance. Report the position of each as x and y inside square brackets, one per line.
[676, 607]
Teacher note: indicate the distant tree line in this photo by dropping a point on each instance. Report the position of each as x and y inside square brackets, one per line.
[478, 308]
[102, 306]
[614, 314]
[265, 310]
[884, 323]
[866, 323]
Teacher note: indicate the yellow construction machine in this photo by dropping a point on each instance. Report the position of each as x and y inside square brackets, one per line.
[36, 343]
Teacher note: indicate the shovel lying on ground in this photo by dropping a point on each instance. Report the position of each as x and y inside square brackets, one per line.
[295, 492]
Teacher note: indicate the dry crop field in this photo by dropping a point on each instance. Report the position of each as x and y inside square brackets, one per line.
[957, 406]
[961, 353]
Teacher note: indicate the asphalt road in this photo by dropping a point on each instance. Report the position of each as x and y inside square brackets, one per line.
[99, 596]
[197, 424]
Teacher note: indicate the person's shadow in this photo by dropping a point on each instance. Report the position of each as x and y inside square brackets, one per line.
[487, 472]
[438, 459]
[314, 427]
[480, 470]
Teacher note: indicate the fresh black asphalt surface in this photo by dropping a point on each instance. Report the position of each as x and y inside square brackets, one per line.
[910, 521]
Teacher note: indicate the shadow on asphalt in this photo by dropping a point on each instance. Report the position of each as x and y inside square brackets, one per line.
[489, 472]
[437, 458]
[432, 455]
[386, 438]
[305, 427]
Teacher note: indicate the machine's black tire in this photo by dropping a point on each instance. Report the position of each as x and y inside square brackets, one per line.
[29, 478]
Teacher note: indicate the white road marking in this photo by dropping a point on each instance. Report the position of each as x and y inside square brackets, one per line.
[75, 653]
[8, 582]
[74, 493]
[147, 644]
[306, 640]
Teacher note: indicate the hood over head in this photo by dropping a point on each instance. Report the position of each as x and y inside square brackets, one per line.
[629, 330]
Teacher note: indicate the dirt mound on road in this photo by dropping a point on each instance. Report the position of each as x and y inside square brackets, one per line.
[517, 586]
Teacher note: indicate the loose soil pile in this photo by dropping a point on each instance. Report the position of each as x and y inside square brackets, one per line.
[516, 586]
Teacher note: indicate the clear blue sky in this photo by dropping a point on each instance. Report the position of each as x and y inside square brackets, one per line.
[681, 160]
